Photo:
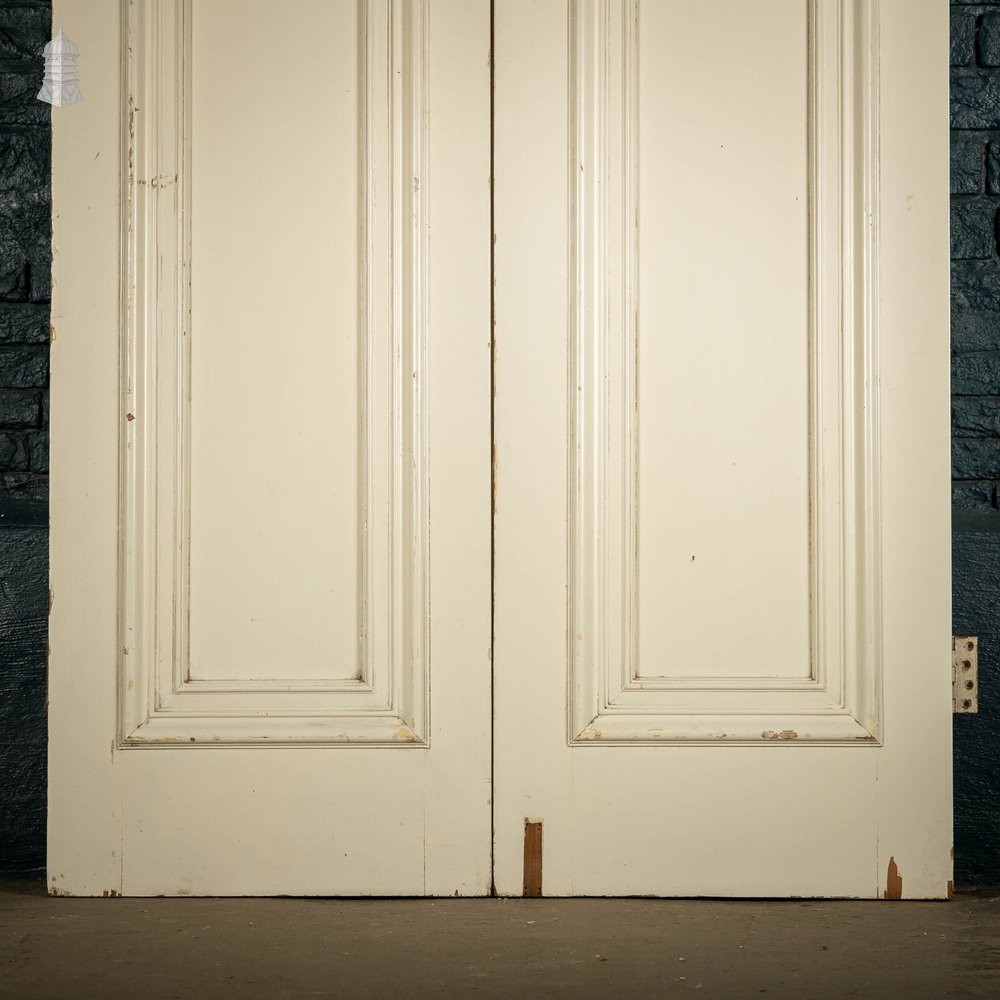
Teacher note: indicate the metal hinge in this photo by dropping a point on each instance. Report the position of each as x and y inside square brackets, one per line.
[965, 673]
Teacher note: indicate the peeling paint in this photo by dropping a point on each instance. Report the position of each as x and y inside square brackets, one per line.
[785, 734]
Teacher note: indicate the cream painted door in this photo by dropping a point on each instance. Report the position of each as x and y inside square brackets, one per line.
[720, 663]
[722, 512]
[270, 634]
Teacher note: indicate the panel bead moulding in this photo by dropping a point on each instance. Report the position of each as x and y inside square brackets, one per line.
[387, 704]
[838, 702]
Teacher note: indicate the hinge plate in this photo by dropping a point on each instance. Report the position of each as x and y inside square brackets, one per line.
[965, 673]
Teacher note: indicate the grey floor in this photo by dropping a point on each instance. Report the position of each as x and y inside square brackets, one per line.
[583, 948]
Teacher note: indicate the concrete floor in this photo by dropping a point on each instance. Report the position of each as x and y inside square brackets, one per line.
[208, 948]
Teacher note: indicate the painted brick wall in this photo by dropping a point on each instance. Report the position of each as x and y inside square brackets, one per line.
[975, 322]
[25, 267]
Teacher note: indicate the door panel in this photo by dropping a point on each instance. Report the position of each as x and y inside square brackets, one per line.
[714, 376]
[232, 462]
[276, 443]
[722, 387]
[693, 463]
[302, 541]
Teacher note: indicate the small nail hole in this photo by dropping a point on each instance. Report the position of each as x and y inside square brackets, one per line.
[970, 645]
[969, 685]
[966, 664]
[966, 703]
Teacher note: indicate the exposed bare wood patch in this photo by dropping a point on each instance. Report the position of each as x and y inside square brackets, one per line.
[532, 858]
[951, 889]
[893, 882]
[785, 734]
[406, 735]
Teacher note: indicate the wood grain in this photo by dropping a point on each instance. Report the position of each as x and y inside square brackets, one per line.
[532, 858]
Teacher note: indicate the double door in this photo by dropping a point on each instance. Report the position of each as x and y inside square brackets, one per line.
[501, 449]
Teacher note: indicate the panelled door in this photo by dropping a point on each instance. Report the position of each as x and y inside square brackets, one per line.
[722, 573]
[271, 522]
[643, 591]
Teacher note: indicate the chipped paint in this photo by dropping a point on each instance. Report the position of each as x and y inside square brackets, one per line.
[785, 734]
[160, 181]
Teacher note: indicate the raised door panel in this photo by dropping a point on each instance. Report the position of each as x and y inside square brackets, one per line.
[275, 449]
[722, 430]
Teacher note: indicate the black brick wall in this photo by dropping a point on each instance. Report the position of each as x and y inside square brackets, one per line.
[975, 332]
[25, 268]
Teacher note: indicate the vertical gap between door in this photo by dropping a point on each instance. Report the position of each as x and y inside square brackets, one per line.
[493, 452]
